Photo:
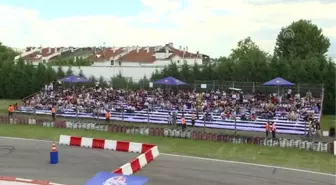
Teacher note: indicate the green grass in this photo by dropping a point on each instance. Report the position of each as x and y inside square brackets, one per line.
[4, 103]
[328, 121]
[286, 157]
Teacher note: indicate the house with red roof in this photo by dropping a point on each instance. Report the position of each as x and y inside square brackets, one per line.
[155, 56]
[158, 56]
[36, 55]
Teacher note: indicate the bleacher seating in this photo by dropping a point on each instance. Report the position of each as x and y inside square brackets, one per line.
[160, 116]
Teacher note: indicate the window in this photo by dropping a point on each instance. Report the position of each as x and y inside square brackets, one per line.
[178, 61]
[112, 62]
[119, 63]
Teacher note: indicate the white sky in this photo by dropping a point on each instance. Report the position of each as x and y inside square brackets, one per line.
[210, 26]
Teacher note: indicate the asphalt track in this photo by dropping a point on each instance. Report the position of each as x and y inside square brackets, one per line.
[29, 159]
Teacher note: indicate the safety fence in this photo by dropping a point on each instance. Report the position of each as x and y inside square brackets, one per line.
[248, 87]
[177, 133]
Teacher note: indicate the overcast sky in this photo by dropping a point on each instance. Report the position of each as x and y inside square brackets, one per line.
[210, 26]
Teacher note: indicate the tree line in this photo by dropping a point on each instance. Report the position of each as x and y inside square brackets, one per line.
[301, 58]
[77, 61]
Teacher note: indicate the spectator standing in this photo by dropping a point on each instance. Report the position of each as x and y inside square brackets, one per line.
[53, 113]
[289, 93]
[193, 119]
[10, 111]
[318, 128]
[273, 130]
[108, 117]
[174, 118]
[184, 123]
[170, 119]
[267, 128]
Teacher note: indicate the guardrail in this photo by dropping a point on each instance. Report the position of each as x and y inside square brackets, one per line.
[177, 133]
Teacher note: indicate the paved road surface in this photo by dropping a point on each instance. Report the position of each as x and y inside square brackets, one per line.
[29, 160]
[188, 171]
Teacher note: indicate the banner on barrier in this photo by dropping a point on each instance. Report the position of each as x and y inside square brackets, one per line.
[108, 178]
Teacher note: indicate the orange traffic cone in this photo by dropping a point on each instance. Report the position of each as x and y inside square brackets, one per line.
[53, 149]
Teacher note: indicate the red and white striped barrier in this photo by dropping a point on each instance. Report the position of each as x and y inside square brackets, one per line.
[29, 181]
[148, 151]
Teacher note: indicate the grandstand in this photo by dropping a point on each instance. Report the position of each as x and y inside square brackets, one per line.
[220, 109]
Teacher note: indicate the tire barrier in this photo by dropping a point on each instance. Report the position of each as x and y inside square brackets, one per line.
[178, 133]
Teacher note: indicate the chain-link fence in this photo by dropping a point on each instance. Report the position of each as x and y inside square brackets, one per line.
[316, 89]
[302, 88]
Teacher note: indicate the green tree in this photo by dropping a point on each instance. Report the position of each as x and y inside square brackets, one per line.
[7, 53]
[185, 72]
[92, 80]
[102, 82]
[69, 72]
[81, 74]
[143, 83]
[120, 82]
[60, 73]
[173, 70]
[196, 72]
[18, 79]
[307, 40]
[301, 59]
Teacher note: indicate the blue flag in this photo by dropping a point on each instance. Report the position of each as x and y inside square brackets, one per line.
[108, 178]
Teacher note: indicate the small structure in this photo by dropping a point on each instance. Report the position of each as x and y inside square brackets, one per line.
[53, 154]
[169, 81]
[74, 79]
[278, 81]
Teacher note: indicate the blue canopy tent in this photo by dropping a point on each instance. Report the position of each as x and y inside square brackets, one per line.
[74, 79]
[278, 81]
[108, 178]
[169, 81]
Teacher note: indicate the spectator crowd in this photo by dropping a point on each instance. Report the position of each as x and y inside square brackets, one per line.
[229, 104]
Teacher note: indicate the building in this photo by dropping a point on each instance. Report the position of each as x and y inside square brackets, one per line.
[36, 55]
[118, 56]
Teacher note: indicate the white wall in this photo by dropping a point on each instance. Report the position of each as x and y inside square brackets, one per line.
[190, 61]
[100, 64]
